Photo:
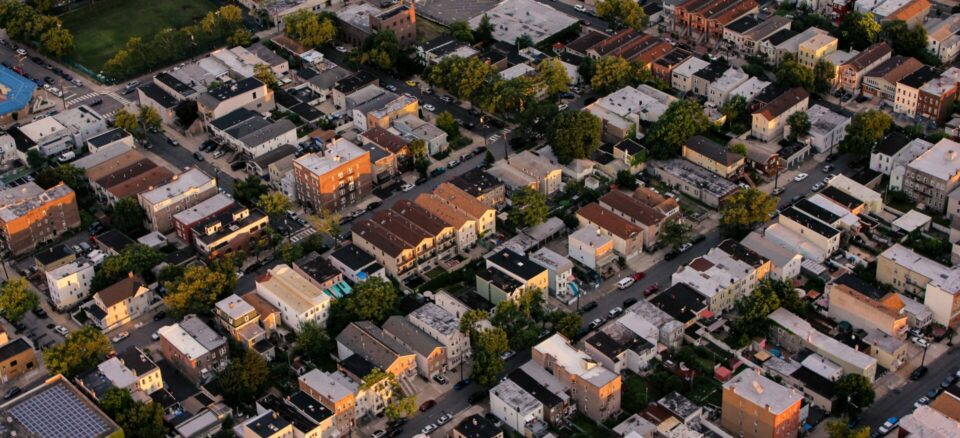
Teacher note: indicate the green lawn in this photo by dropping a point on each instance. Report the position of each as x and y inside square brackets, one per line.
[102, 28]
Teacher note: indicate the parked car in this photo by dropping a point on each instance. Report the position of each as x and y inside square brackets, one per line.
[562, 107]
[425, 406]
[638, 276]
[437, 172]
[461, 384]
[918, 373]
[392, 88]
[625, 283]
[429, 107]
[580, 8]
[921, 402]
[888, 425]
[453, 163]
[160, 315]
[800, 177]
[61, 330]
[40, 313]
[629, 302]
[670, 255]
[920, 341]
[507, 354]
[650, 290]
[197, 156]
[444, 419]
[341, 49]
[12, 392]
[378, 434]
[595, 323]
[440, 379]
[155, 336]
[120, 336]
[407, 187]
[614, 312]
[685, 247]
[373, 205]
[428, 429]
[816, 187]
[588, 307]
[698, 238]
[478, 397]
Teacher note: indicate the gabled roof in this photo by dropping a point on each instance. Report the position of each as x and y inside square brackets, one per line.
[712, 150]
[632, 207]
[121, 290]
[868, 56]
[609, 221]
[784, 102]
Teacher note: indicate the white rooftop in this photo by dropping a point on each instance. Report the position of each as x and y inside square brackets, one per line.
[70, 269]
[761, 391]
[730, 79]
[750, 88]
[927, 422]
[517, 398]
[847, 217]
[888, 7]
[941, 161]
[437, 317]
[292, 289]
[117, 373]
[912, 220]
[690, 67]
[517, 71]
[47, 127]
[909, 259]
[551, 260]
[182, 184]
[777, 254]
[332, 385]
[574, 361]
[824, 121]
[358, 15]
[204, 209]
[338, 152]
[234, 307]
[792, 45]
[946, 82]
[182, 341]
[840, 57]
[646, 102]
[912, 150]
[591, 236]
[824, 367]
[812, 336]
[102, 155]
[512, 19]
[723, 271]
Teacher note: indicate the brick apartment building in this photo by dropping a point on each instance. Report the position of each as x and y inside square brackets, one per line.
[30, 215]
[341, 176]
[707, 18]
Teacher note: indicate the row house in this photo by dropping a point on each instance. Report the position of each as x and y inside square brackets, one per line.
[942, 38]
[120, 303]
[724, 274]
[713, 156]
[628, 239]
[185, 190]
[682, 77]
[865, 306]
[595, 389]
[508, 274]
[634, 210]
[373, 348]
[907, 271]
[243, 323]
[527, 169]
[337, 393]
[407, 238]
[398, 146]
[936, 98]
[483, 186]
[883, 79]
[251, 133]
[295, 296]
[194, 349]
[894, 153]
[662, 68]
[247, 93]
[69, 284]
[787, 41]
[186, 220]
[931, 177]
[850, 74]
[229, 232]
[431, 356]
[707, 18]
[455, 198]
[745, 34]
[908, 90]
[443, 326]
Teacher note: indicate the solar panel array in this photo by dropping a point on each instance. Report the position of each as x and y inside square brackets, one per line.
[58, 412]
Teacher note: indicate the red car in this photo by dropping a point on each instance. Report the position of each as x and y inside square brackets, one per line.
[650, 290]
[639, 276]
[427, 405]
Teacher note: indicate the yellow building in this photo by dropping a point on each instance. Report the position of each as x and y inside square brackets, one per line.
[815, 48]
[713, 156]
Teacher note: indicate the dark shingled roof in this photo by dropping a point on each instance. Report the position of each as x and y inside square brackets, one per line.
[920, 77]
[744, 24]
[859, 285]
[516, 264]
[810, 222]
[892, 143]
[712, 150]
[680, 301]
[352, 256]
[159, 95]
[841, 197]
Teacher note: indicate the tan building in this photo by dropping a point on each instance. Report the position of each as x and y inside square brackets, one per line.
[341, 177]
[16, 357]
[943, 298]
[483, 186]
[194, 349]
[595, 388]
[119, 303]
[336, 392]
[908, 271]
[483, 216]
[247, 93]
[757, 407]
[850, 74]
[30, 215]
[186, 190]
[405, 237]
[865, 306]
[528, 169]
[890, 352]
[627, 238]
[464, 227]
[713, 156]
[637, 212]
[229, 232]
[768, 122]
[242, 322]
[430, 354]
[368, 342]
[816, 48]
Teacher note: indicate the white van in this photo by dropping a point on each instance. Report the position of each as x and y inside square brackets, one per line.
[624, 283]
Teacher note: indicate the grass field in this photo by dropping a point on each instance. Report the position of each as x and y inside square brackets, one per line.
[99, 30]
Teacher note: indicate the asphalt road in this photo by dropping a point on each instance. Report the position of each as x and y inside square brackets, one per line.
[567, 8]
[899, 402]
[183, 158]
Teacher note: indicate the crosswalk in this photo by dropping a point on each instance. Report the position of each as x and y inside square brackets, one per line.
[75, 100]
[120, 98]
[493, 138]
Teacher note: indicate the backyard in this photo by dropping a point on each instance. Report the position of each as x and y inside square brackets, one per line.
[104, 27]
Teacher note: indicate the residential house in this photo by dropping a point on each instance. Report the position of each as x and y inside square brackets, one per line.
[338, 178]
[882, 80]
[908, 90]
[412, 128]
[360, 21]
[186, 220]
[508, 274]
[722, 87]
[348, 86]
[298, 300]
[457, 199]
[712, 156]
[785, 263]
[936, 97]
[595, 388]
[431, 356]
[942, 38]
[242, 322]
[251, 133]
[908, 271]
[483, 186]
[396, 145]
[682, 77]
[662, 68]
[623, 111]
[746, 36]
[514, 406]
[53, 257]
[187, 189]
[591, 248]
[816, 48]
[120, 303]
[527, 169]
[827, 128]
[865, 306]
[724, 274]
[54, 134]
[355, 263]
[704, 19]
[617, 348]
[247, 93]
[795, 333]
[851, 73]
[112, 137]
[889, 351]
[476, 426]
[334, 391]
[769, 120]
[30, 215]
[370, 344]
[229, 232]
[757, 407]
[628, 238]
[931, 177]
[444, 326]
[16, 358]
[559, 269]
[638, 213]
[943, 298]
[693, 180]
[194, 349]
[817, 239]
[69, 284]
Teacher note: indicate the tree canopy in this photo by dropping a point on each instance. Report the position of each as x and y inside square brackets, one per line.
[247, 191]
[16, 299]
[675, 233]
[799, 123]
[611, 73]
[136, 258]
[623, 13]
[310, 29]
[575, 134]
[854, 395]
[790, 73]
[529, 207]
[274, 204]
[198, 289]
[906, 41]
[128, 216]
[137, 418]
[488, 347]
[683, 119]
[373, 299]
[245, 379]
[552, 76]
[747, 208]
[858, 30]
[865, 131]
[84, 349]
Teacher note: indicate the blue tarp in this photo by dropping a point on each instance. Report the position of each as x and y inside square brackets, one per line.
[20, 91]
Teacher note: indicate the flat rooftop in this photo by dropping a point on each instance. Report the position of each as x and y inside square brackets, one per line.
[514, 18]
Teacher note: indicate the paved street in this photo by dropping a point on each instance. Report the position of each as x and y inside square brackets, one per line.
[182, 158]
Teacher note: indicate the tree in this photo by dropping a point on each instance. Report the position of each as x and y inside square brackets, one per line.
[799, 123]
[83, 349]
[484, 31]
[57, 42]
[187, 112]
[68, 174]
[611, 73]
[747, 208]
[675, 233]
[240, 37]
[418, 147]
[461, 31]
[790, 73]
[462, 77]
[245, 379]
[552, 75]
[136, 258]
[529, 208]
[127, 215]
[864, 132]
[842, 429]
[565, 323]
[626, 180]
[382, 50]
[136, 418]
[488, 158]
[487, 349]
[35, 159]
[148, 118]
[824, 73]
[289, 252]
[401, 407]
[906, 41]
[736, 113]
[125, 120]
[274, 204]
[623, 13]
[264, 73]
[683, 119]
[854, 395]
[523, 41]
[373, 299]
[197, 290]
[16, 299]
[313, 342]
[738, 148]
[448, 124]
[575, 134]
[858, 30]
[248, 190]
[310, 29]
[469, 321]
[327, 222]
[753, 310]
